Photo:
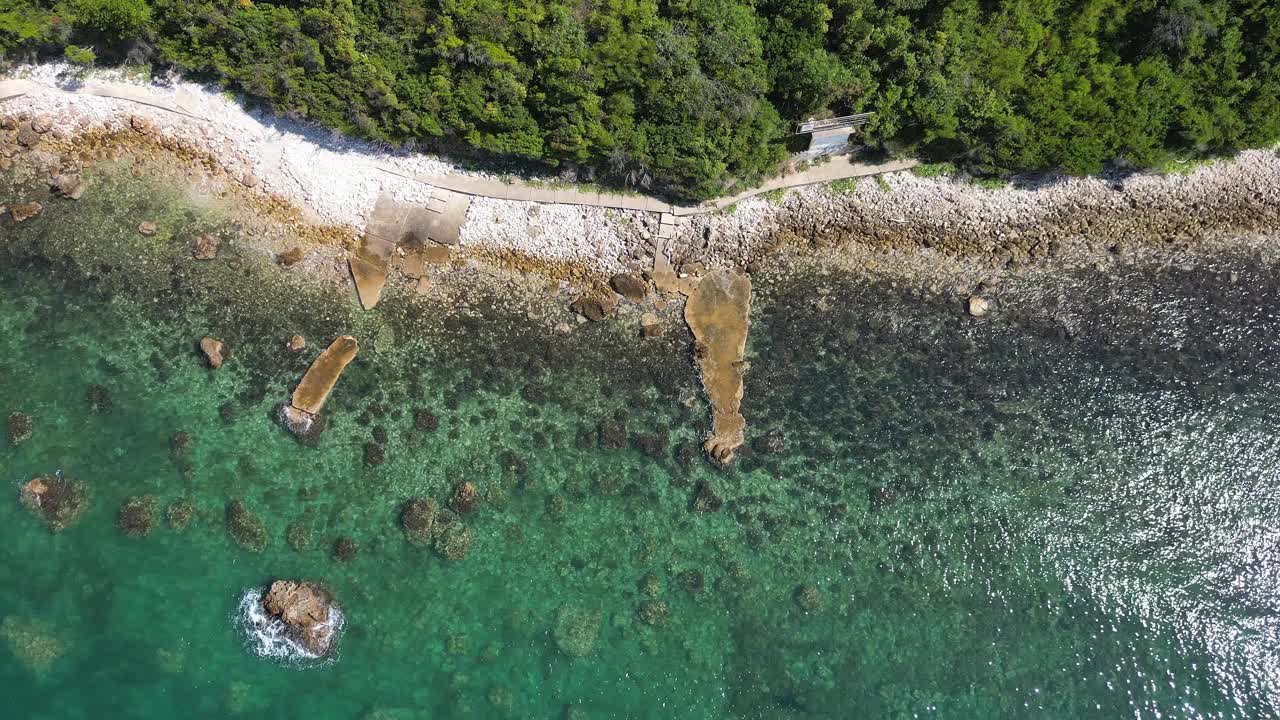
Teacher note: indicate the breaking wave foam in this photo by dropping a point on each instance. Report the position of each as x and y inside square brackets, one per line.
[268, 636]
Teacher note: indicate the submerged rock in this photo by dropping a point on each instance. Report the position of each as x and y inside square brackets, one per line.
[772, 442]
[454, 541]
[205, 246]
[181, 450]
[291, 257]
[650, 326]
[705, 499]
[418, 518]
[654, 612]
[426, 421]
[296, 343]
[212, 350]
[345, 549]
[306, 609]
[99, 399]
[54, 498]
[19, 428]
[137, 516]
[978, 306]
[246, 528]
[808, 598]
[613, 434]
[298, 537]
[32, 642]
[25, 211]
[466, 498]
[692, 581]
[374, 454]
[179, 514]
[67, 186]
[577, 629]
[148, 228]
[595, 307]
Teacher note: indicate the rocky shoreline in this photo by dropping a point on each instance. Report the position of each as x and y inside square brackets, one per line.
[946, 234]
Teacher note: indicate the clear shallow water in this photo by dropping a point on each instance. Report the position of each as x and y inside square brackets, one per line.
[1070, 510]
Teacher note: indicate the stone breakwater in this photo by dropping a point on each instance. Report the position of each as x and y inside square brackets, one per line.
[899, 224]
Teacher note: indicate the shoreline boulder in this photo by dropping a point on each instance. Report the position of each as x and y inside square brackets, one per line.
[631, 287]
[306, 609]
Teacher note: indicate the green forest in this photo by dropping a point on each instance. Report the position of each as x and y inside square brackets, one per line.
[694, 97]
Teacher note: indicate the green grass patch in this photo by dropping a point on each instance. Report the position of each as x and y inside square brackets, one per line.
[1173, 166]
[882, 183]
[843, 186]
[990, 183]
[934, 170]
[773, 197]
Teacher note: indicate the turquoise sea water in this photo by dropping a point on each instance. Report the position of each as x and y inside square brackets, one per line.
[1068, 509]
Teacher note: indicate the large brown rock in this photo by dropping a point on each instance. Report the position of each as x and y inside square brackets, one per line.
[67, 185]
[595, 307]
[629, 286]
[26, 211]
[28, 137]
[212, 350]
[142, 124]
[306, 609]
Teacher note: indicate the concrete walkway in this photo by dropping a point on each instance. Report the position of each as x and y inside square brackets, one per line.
[838, 168]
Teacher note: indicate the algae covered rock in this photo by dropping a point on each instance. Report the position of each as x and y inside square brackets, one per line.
[654, 612]
[179, 514]
[19, 428]
[99, 399]
[418, 519]
[298, 537]
[56, 499]
[454, 541]
[577, 629]
[246, 528]
[808, 598]
[345, 549]
[466, 498]
[32, 642]
[137, 516]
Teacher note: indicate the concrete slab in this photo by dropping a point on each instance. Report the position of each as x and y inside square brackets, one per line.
[409, 264]
[445, 226]
[370, 279]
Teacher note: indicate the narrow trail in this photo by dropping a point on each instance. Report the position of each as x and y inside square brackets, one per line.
[838, 168]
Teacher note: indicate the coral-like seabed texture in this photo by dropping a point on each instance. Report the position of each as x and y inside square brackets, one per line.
[1065, 509]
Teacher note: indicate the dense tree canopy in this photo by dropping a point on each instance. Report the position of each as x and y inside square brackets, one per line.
[691, 96]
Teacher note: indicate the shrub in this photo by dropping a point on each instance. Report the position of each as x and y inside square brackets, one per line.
[113, 18]
[80, 56]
